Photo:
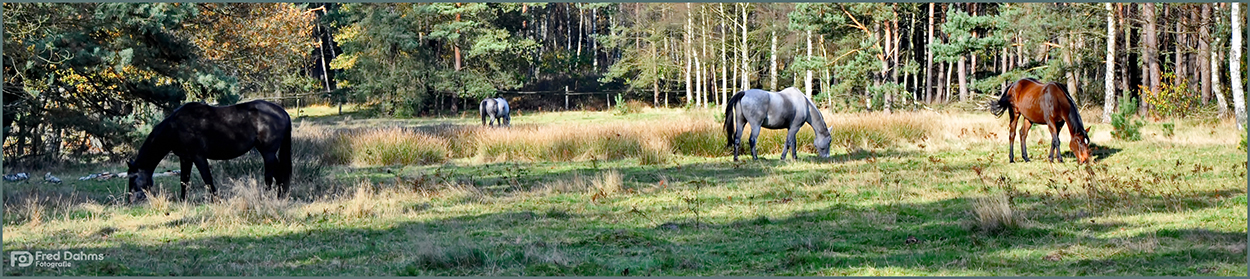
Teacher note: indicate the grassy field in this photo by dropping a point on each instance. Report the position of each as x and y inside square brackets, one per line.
[655, 193]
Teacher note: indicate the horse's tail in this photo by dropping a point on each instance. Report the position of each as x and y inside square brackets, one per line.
[1004, 102]
[284, 154]
[729, 118]
[482, 110]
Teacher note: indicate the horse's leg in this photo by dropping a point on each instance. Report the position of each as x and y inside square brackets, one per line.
[737, 140]
[206, 174]
[185, 176]
[1011, 138]
[755, 133]
[1024, 140]
[271, 165]
[792, 142]
[1054, 141]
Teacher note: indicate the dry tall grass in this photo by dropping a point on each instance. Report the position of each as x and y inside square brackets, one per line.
[249, 203]
[994, 214]
[650, 142]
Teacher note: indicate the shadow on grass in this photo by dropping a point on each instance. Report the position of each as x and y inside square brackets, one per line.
[921, 238]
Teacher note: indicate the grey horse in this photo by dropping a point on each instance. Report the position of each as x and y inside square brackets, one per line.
[788, 109]
[497, 110]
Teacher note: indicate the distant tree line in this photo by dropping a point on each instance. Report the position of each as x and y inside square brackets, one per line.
[84, 81]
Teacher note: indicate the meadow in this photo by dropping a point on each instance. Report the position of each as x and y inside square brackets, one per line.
[655, 192]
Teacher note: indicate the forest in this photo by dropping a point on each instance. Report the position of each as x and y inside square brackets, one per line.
[83, 80]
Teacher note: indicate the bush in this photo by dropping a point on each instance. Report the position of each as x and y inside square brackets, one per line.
[1124, 127]
[1174, 99]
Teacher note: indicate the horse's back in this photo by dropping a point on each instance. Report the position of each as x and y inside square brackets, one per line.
[1040, 102]
[501, 105]
[773, 110]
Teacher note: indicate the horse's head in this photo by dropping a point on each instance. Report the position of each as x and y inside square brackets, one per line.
[140, 182]
[822, 144]
[1080, 146]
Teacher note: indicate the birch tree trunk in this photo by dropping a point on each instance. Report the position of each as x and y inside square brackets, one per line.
[1234, 68]
[807, 82]
[772, 70]
[689, 58]
[746, 74]
[724, 64]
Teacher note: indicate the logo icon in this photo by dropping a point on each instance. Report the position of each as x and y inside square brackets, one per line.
[21, 258]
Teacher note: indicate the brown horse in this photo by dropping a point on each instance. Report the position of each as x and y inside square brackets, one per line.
[1042, 103]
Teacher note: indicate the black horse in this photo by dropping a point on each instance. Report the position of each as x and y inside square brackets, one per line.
[197, 132]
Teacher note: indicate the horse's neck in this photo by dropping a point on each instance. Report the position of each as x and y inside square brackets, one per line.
[154, 148]
[815, 119]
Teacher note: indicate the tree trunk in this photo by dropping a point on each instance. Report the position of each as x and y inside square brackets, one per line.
[689, 58]
[772, 81]
[1204, 53]
[1234, 68]
[1068, 45]
[724, 63]
[824, 80]
[928, 68]
[704, 51]
[594, 46]
[1150, 41]
[1178, 67]
[807, 82]
[581, 28]
[963, 78]
[746, 74]
[655, 83]
[1215, 83]
[1108, 97]
[1125, 72]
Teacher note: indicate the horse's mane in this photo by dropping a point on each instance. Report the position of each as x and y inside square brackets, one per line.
[1074, 114]
[816, 119]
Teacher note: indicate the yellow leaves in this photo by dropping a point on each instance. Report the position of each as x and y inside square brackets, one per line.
[345, 61]
[348, 33]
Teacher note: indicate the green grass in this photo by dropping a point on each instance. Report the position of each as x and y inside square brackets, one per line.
[1160, 206]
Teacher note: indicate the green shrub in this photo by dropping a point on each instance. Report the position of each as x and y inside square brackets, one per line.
[1125, 128]
[1242, 146]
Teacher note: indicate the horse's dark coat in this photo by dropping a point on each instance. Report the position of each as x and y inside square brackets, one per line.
[197, 132]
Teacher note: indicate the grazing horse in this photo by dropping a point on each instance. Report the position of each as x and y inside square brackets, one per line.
[197, 132]
[497, 110]
[788, 109]
[1042, 103]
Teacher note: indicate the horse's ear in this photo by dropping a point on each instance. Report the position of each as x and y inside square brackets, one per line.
[1087, 129]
